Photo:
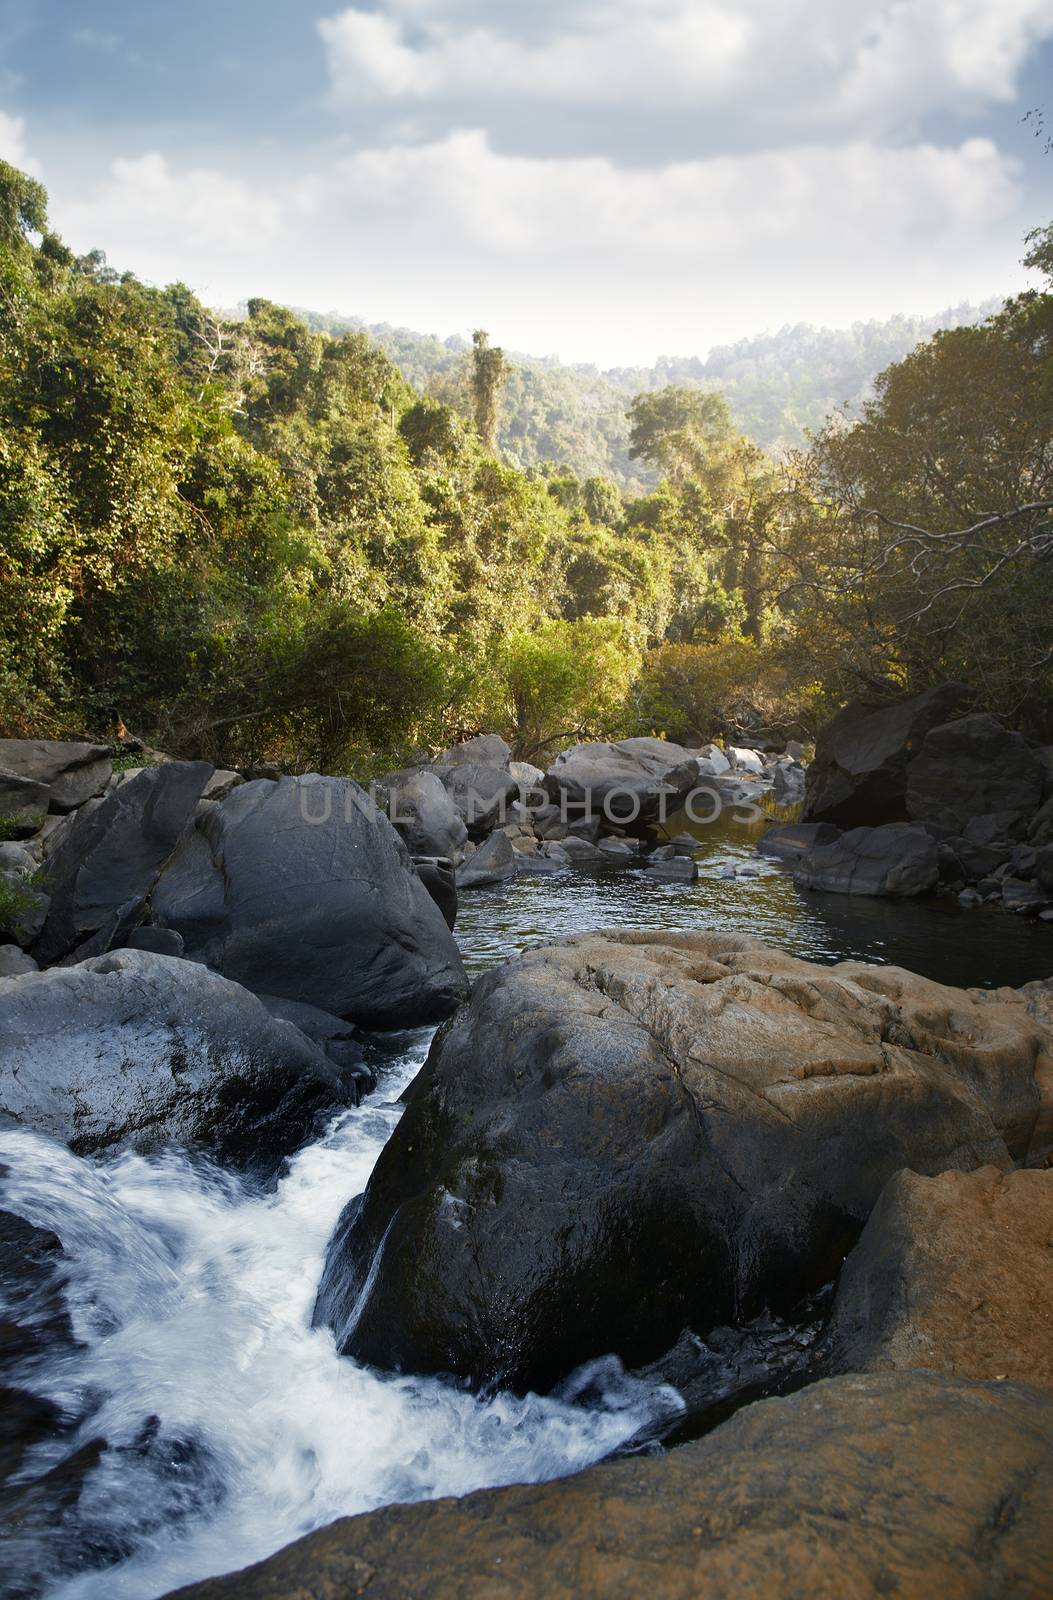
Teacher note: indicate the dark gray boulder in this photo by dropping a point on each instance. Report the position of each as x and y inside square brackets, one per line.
[789, 841]
[632, 781]
[481, 795]
[897, 860]
[974, 767]
[109, 857]
[859, 775]
[439, 877]
[160, 941]
[421, 810]
[302, 888]
[135, 1050]
[493, 862]
[626, 1134]
[71, 771]
[340, 1040]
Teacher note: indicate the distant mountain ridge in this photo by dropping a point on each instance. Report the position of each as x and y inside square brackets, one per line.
[780, 386]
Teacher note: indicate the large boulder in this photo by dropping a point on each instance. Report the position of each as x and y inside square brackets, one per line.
[973, 767]
[485, 750]
[302, 888]
[910, 1485]
[629, 1133]
[493, 862]
[23, 804]
[109, 857]
[953, 1273]
[859, 775]
[635, 780]
[135, 1050]
[895, 860]
[70, 771]
[789, 841]
[422, 812]
[481, 795]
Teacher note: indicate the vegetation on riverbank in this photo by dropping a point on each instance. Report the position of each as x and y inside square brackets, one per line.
[244, 539]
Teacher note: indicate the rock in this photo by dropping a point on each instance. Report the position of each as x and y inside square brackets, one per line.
[159, 941]
[580, 849]
[485, 750]
[107, 862]
[220, 785]
[338, 1039]
[788, 783]
[896, 860]
[970, 897]
[135, 1050]
[72, 772]
[859, 775]
[421, 811]
[789, 841]
[438, 875]
[660, 852]
[635, 780]
[953, 1273]
[26, 911]
[979, 860]
[14, 962]
[911, 1485]
[17, 861]
[493, 862]
[973, 767]
[302, 888]
[23, 804]
[550, 857]
[616, 850]
[795, 751]
[526, 775]
[745, 760]
[685, 844]
[1029, 899]
[696, 1127]
[481, 795]
[1044, 866]
[712, 761]
[1040, 829]
[678, 869]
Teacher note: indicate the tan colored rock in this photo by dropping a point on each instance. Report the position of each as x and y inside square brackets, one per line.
[696, 1127]
[912, 1486]
[952, 1273]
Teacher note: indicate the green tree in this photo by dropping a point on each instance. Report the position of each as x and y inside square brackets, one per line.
[489, 368]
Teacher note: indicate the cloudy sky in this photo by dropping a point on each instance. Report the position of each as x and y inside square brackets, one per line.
[609, 180]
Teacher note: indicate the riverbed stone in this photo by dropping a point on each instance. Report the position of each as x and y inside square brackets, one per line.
[136, 1050]
[696, 1127]
[71, 771]
[896, 860]
[859, 775]
[493, 862]
[302, 888]
[422, 812]
[632, 781]
[953, 1273]
[913, 1485]
[973, 766]
[107, 861]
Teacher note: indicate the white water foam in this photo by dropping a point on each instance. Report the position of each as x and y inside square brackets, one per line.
[193, 1296]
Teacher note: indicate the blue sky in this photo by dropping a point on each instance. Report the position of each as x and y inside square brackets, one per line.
[610, 181]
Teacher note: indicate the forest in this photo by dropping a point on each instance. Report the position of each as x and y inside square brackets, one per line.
[250, 539]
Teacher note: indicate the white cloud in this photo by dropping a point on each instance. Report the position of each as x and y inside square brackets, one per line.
[806, 60]
[13, 144]
[601, 262]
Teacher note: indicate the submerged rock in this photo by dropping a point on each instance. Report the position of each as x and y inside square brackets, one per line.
[896, 860]
[302, 888]
[136, 1050]
[952, 1273]
[913, 1485]
[696, 1128]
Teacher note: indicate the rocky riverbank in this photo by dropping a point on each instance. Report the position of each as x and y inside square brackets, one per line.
[812, 1201]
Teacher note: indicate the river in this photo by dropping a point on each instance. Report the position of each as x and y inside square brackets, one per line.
[231, 1426]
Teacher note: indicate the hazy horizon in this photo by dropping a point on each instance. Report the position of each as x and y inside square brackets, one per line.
[609, 183]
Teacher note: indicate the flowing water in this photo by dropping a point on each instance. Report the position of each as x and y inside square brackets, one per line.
[231, 1426]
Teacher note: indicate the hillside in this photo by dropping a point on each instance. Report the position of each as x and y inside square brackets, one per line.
[780, 386]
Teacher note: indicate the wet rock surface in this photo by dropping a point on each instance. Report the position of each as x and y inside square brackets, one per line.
[696, 1127]
[135, 1050]
[841, 1490]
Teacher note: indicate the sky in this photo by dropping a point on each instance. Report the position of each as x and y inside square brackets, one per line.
[606, 181]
